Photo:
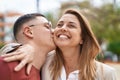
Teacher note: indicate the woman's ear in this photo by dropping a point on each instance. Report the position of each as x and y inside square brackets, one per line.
[81, 41]
[27, 31]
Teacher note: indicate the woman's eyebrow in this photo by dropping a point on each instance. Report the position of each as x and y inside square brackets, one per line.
[73, 23]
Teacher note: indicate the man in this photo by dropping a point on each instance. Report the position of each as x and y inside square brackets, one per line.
[34, 30]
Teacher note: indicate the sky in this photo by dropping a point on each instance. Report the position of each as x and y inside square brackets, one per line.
[27, 6]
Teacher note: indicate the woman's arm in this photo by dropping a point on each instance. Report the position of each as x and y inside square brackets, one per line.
[9, 48]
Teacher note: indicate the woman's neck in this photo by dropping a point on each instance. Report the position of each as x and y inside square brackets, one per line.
[71, 64]
[70, 52]
[71, 59]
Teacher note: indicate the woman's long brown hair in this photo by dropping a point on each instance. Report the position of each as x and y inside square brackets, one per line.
[89, 49]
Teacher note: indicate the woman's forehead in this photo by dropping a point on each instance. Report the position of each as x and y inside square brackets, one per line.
[69, 17]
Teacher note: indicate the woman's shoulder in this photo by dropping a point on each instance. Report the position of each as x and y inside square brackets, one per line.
[48, 59]
[105, 72]
[45, 69]
[104, 66]
[50, 56]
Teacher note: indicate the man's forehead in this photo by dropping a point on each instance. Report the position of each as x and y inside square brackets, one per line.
[42, 19]
[38, 20]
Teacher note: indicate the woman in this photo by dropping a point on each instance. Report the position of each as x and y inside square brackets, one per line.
[76, 50]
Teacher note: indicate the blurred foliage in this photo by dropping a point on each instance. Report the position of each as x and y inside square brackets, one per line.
[107, 25]
[100, 57]
[52, 18]
[114, 47]
[1, 44]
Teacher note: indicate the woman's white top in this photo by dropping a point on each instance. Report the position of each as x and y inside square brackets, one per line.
[104, 72]
[72, 76]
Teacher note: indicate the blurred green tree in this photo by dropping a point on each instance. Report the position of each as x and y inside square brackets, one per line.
[115, 48]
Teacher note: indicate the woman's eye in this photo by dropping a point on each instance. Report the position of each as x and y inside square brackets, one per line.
[59, 25]
[71, 26]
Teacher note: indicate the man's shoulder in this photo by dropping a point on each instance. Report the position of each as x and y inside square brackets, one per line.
[4, 70]
[9, 65]
[7, 70]
[4, 64]
[34, 74]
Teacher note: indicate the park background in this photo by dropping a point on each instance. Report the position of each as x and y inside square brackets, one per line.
[103, 15]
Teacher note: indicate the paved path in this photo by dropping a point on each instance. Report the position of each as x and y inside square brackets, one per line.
[117, 67]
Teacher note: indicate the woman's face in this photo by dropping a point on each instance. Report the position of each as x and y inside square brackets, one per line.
[67, 32]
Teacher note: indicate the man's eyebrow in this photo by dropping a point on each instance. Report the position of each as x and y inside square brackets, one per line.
[48, 23]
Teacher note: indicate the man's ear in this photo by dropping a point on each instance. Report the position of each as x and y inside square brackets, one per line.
[27, 31]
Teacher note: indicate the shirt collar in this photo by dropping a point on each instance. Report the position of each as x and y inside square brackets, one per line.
[72, 75]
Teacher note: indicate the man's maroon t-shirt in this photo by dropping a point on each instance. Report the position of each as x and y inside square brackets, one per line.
[7, 72]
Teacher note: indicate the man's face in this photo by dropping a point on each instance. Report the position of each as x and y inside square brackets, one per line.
[42, 34]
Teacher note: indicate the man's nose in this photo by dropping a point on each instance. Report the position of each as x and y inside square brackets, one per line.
[52, 32]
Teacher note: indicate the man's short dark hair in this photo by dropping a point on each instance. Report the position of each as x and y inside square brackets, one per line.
[22, 20]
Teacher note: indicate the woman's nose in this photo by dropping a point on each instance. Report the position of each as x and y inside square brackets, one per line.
[64, 28]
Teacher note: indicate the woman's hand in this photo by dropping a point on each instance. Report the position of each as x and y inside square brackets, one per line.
[9, 48]
[15, 52]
